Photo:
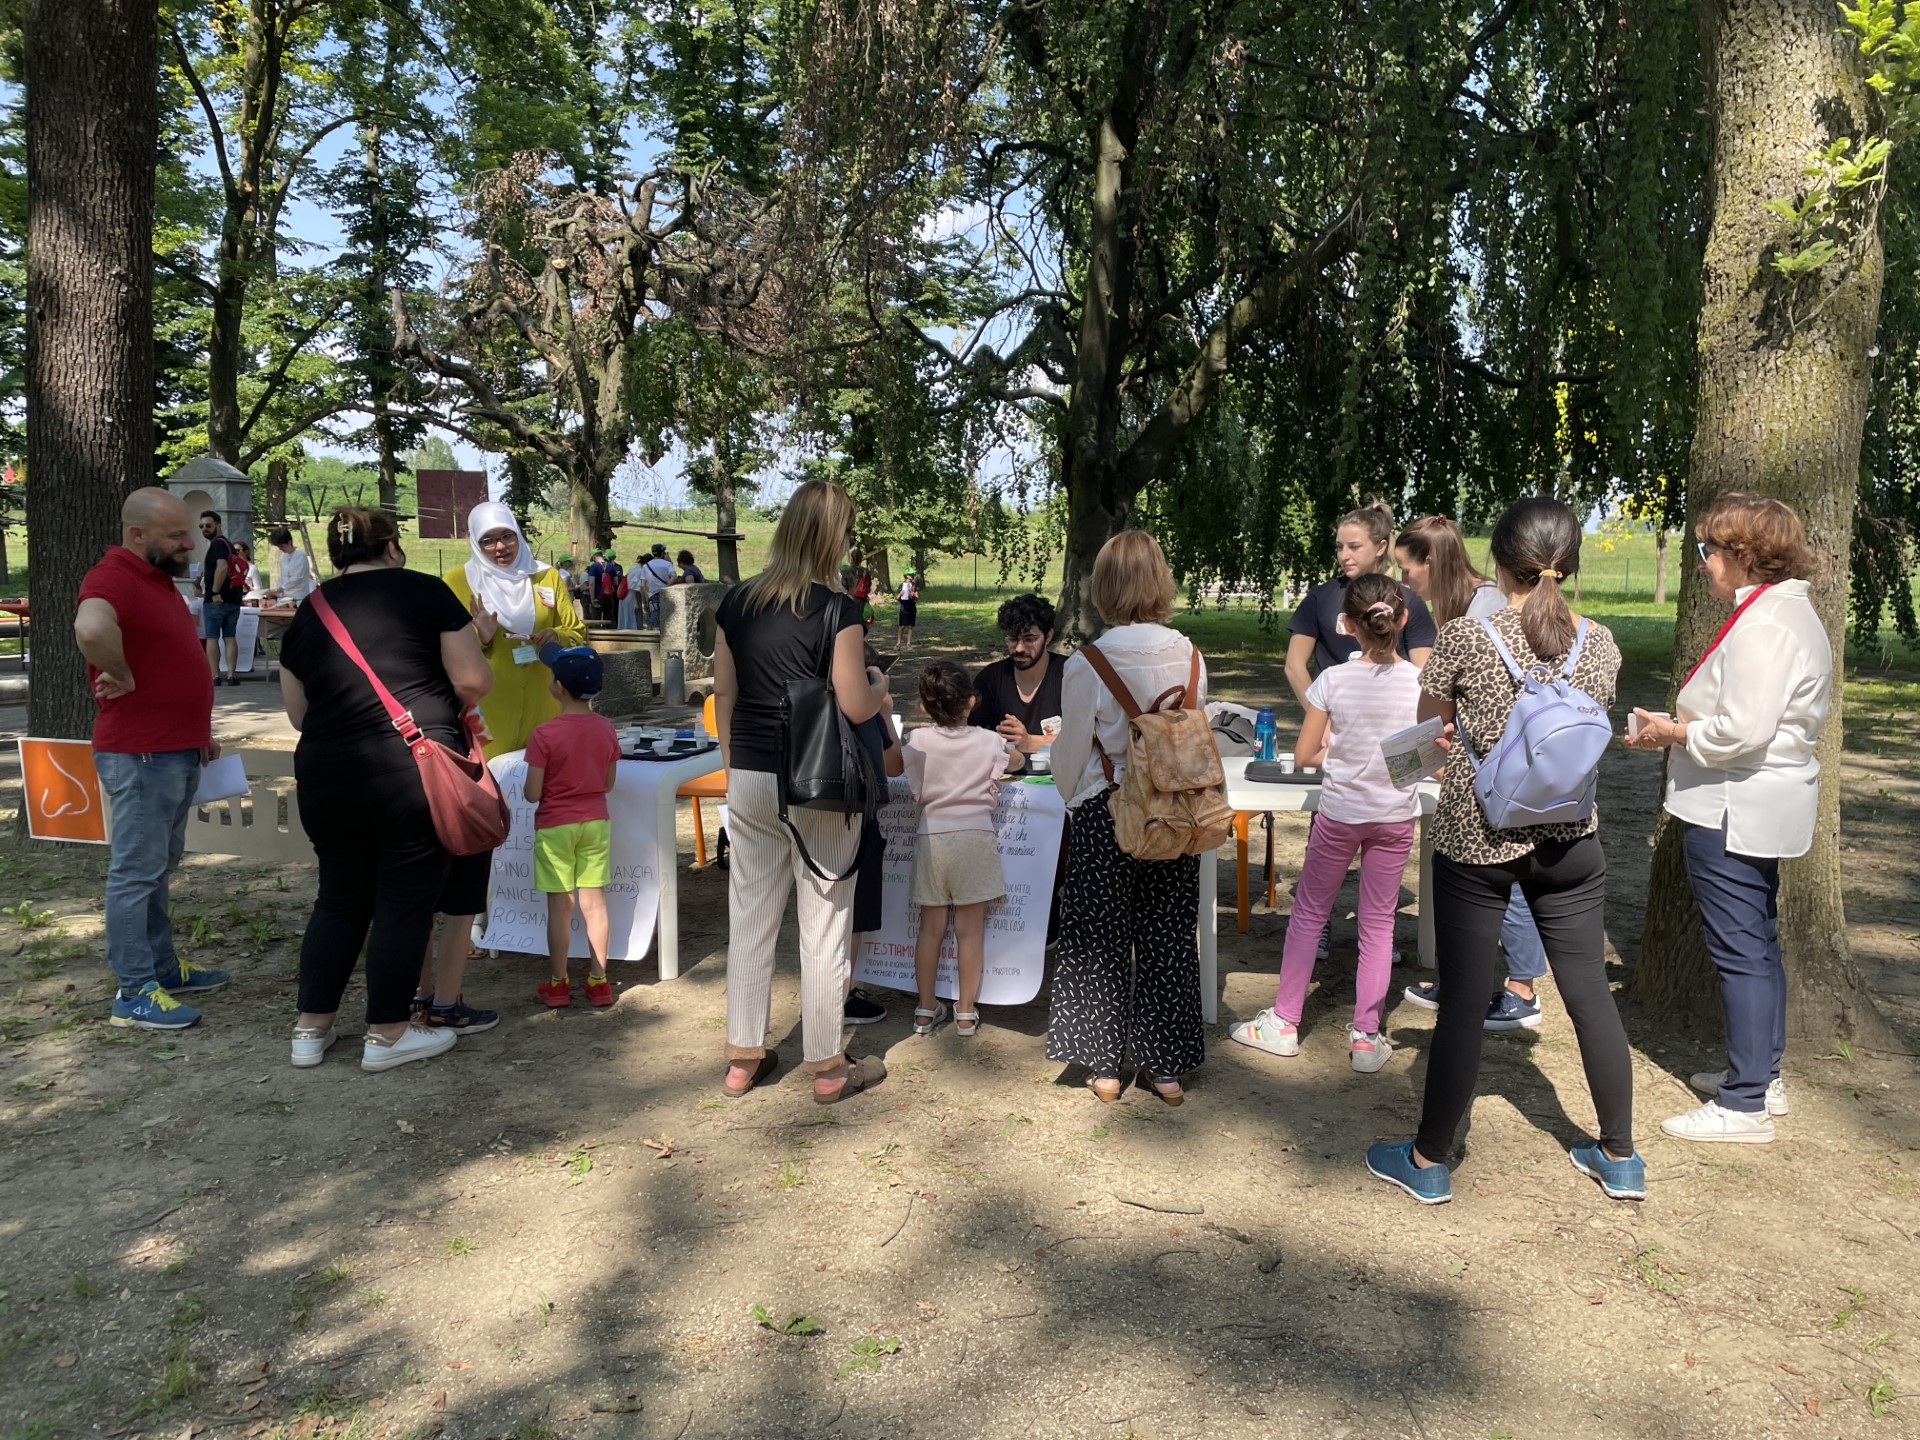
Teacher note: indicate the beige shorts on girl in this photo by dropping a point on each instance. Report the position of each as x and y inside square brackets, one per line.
[960, 867]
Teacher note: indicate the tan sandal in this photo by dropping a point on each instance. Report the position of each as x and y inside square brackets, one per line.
[862, 1074]
[1172, 1092]
[1106, 1087]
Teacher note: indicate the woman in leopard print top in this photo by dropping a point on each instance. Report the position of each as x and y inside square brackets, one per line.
[1559, 868]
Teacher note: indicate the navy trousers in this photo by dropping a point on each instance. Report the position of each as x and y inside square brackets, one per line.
[1739, 899]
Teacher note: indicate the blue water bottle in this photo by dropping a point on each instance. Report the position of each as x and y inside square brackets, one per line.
[1263, 735]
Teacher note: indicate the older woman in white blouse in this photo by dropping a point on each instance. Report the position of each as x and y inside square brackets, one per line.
[1744, 783]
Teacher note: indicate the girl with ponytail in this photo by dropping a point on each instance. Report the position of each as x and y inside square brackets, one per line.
[1351, 708]
[1433, 559]
[1322, 635]
[1559, 868]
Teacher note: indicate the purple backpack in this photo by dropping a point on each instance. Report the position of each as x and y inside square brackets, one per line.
[1545, 767]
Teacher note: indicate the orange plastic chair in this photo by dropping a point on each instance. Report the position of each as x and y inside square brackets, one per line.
[706, 787]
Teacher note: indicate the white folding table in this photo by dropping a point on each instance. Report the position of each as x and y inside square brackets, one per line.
[673, 774]
[1252, 797]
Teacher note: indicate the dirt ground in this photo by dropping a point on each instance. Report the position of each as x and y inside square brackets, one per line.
[562, 1229]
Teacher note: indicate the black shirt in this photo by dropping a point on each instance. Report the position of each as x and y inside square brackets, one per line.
[232, 593]
[396, 617]
[996, 696]
[1319, 616]
[770, 648]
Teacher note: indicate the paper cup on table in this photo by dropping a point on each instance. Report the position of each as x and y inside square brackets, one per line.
[1286, 762]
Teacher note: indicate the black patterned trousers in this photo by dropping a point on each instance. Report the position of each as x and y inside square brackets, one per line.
[1126, 980]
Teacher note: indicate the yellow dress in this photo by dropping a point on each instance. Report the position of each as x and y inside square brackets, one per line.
[520, 698]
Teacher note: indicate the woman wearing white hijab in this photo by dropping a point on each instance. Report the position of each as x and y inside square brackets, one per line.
[517, 605]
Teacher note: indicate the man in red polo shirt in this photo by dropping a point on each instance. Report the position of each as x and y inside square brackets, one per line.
[154, 731]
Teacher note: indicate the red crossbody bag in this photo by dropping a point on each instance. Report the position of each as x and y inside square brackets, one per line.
[469, 813]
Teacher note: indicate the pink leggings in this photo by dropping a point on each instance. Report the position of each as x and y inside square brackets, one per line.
[1384, 846]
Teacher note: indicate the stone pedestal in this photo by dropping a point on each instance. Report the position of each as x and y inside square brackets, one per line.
[626, 693]
[687, 625]
[210, 484]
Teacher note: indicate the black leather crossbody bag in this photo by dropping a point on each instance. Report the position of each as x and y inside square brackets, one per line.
[827, 768]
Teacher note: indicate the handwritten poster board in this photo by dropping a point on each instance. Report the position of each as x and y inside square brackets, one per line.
[517, 920]
[1028, 824]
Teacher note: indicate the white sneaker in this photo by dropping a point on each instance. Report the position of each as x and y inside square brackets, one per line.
[1268, 1032]
[1708, 1082]
[416, 1042]
[311, 1046]
[1370, 1052]
[1713, 1122]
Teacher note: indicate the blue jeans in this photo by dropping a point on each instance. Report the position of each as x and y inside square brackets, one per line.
[148, 798]
[1739, 898]
[1520, 939]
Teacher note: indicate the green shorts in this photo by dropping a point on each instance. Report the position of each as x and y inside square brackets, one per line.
[573, 857]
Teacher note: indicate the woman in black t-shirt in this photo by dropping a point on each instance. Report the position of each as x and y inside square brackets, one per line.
[359, 792]
[787, 623]
[1316, 638]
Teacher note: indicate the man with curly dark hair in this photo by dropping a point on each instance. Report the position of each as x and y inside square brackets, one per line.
[1020, 695]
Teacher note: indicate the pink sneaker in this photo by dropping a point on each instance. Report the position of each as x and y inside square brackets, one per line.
[1370, 1052]
[1268, 1032]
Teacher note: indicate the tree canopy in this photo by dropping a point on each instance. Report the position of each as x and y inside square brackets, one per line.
[1226, 268]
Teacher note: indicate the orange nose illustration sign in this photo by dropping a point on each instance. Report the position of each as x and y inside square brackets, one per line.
[63, 791]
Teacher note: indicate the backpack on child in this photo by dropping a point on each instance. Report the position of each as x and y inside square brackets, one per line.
[1172, 801]
[1545, 767]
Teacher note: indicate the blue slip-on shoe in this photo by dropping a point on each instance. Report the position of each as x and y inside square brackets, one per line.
[194, 978]
[151, 1008]
[1621, 1179]
[1509, 1011]
[1426, 996]
[459, 1017]
[1431, 1185]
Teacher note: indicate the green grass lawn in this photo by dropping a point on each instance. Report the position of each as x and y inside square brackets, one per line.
[961, 593]
[1245, 659]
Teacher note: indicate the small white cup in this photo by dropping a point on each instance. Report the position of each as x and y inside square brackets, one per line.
[663, 747]
[1286, 762]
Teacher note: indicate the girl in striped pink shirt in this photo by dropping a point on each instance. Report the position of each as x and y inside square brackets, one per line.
[1350, 709]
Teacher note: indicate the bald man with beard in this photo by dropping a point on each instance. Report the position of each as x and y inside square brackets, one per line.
[153, 732]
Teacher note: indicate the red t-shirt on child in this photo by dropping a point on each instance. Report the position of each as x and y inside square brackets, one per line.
[574, 752]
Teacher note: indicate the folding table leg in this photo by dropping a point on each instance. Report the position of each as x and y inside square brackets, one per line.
[1240, 857]
[1266, 822]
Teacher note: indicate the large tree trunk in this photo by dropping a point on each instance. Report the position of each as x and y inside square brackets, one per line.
[1093, 518]
[1095, 512]
[92, 127]
[726, 520]
[589, 509]
[389, 453]
[276, 493]
[223, 369]
[1781, 404]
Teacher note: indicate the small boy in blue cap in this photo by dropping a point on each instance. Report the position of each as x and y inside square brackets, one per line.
[571, 763]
